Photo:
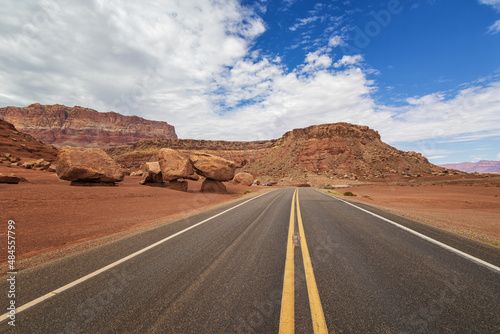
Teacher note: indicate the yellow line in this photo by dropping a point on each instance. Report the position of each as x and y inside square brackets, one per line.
[317, 314]
[287, 316]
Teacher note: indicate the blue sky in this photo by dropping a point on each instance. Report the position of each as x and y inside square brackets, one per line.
[424, 73]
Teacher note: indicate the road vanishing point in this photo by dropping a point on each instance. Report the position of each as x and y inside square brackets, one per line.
[288, 261]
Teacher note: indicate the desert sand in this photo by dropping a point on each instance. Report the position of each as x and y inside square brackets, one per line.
[470, 207]
[51, 215]
[54, 219]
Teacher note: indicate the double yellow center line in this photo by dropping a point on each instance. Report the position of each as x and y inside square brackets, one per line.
[287, 317]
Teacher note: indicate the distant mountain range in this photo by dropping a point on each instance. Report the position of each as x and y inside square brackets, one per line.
[483, 166]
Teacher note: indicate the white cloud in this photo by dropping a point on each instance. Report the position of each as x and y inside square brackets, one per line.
[494, 3]
[349, 61]
[190, 63]
[335, 41]
[494, 28]
[303, 22]
[471, 114]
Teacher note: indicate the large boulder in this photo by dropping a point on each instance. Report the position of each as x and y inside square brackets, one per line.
[151, 173]
[173, 165]
[213, 167]
[212, 186]
[245, 179]
[91, 165]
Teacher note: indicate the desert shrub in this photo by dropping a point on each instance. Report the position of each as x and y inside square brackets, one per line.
[247, 192]
[349, 193]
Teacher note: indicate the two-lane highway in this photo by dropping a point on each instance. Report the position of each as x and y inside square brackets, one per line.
[289, 260]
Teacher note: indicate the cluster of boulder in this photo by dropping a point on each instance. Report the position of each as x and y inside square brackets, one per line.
[8, 158]
[39, 164]
[87, 166]
[175, 169]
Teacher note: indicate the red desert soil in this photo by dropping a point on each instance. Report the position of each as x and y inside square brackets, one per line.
[50, 214]
[470, 208]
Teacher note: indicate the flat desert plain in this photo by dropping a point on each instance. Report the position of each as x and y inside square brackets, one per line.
[54, 219]
[470, 207]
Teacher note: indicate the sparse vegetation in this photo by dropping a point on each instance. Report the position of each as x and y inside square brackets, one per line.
[349, 193]
[247, 192]
[334, 193]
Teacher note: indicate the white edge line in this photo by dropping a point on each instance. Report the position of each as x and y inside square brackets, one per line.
[420, 235]
[114, 264]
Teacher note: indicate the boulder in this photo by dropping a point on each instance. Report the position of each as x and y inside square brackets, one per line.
[178, 185]
[39, 164]
[173, 165]
[245, 179]
[10, 178]
[213, 186]
[213, 167]
[90, 165]
[151, 173]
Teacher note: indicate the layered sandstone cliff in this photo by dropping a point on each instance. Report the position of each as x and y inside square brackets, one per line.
[65, 126]
[336, 151]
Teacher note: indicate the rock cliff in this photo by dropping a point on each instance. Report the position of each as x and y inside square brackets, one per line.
[64, 126]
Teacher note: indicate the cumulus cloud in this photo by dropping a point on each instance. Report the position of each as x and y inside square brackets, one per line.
[471, 114]
[347, 60]
[191, 63]
[335, 41]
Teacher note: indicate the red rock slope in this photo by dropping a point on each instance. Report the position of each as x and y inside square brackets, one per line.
[22, 145]
[64, 126]
[337, 151]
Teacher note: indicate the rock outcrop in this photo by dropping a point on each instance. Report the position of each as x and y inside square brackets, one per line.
[313, 155]
[87, 165]
[151, 173]
[9, 178]
[21, 145]
[245, 179]
[173, 165]
[65, 126]
[39, 164]
[213, 167]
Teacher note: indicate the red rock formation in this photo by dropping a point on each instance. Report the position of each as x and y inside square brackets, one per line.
[338, 151]
[64, 126]
[22, 145]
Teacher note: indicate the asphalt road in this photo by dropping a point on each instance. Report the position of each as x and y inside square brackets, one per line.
[226, 274]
